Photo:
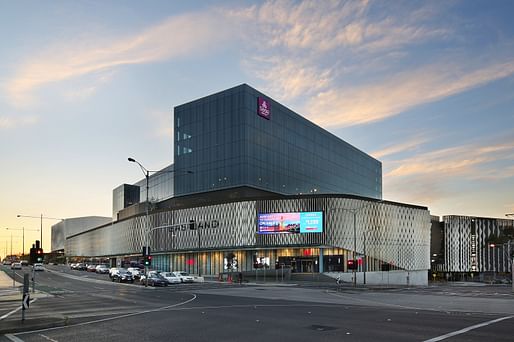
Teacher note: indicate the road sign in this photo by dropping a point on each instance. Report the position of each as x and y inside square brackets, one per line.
[26, 301]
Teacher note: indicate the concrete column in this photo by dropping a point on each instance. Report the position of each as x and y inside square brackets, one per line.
[321, 260]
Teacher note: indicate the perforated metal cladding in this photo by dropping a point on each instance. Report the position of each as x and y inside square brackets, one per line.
[458, 243]
[232, 231]
[389, 232]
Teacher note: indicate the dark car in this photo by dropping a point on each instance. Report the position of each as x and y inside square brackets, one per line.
[155, 279]
[123, 276]
[81, 267]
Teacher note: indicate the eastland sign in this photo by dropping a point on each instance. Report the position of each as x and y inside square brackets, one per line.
[193, 225]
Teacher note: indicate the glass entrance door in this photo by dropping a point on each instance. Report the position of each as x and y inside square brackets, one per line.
[306, 266]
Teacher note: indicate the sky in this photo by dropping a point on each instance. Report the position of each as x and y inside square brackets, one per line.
[425, 87]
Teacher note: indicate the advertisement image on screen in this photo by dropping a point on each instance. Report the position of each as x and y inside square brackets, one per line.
[291, 223]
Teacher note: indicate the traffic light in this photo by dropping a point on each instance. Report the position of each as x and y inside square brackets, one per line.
[148, 260]
[351, 264]
[39, 254]
[33, 258]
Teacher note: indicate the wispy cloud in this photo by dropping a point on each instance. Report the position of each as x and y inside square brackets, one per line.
[402, 147]
[7, 122]
[351, 106]
[455, 161]
[177, 36]
[433, 176]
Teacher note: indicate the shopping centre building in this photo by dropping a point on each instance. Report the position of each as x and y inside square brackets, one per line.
[254, 187]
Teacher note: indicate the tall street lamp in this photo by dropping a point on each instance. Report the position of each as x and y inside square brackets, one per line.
[23, 237]
[512, 256]
[41, 217]
[354, 211]
[146, 172]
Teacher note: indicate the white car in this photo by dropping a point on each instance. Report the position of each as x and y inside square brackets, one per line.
[38, 267]
[136, 273]
[102, 269]
[16, 266]
[171, 277]
[184, 277]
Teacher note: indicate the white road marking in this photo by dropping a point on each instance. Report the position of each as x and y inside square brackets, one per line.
[13, 338]
[108, 319]
[15, 310]
[462, 331]
[48, 338]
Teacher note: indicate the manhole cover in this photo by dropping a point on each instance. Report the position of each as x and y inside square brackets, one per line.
[321, 327]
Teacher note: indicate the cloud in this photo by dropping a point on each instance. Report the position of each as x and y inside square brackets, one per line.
[394, 149]
[175, 37]
[442, 174]
[7, 122]
[289, 78]
[374, 102]
[455, 161]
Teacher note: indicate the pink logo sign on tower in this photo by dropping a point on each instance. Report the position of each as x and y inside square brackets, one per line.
[264, 108]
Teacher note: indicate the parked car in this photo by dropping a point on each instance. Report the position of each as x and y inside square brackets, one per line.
[91, 268]
[112, 270]
[81, 267]
[136, 273]
[38, 267]
[102, 269]
[16, 266]
[155, 279]
[122, 276]
[171, 277]
[184, 277]
[24, 263]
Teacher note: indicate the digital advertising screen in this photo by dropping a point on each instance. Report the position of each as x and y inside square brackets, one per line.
[290, 223]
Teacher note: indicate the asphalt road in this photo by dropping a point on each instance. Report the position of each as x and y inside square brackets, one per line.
[96, 310]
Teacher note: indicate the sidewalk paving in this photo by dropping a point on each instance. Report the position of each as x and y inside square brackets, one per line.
[9, 293]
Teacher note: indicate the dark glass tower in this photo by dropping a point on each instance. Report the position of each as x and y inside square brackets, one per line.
[242, 138]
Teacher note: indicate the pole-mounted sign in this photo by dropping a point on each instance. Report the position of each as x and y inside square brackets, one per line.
[25, 302]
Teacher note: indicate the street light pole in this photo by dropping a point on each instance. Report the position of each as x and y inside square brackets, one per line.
[147, 223]
[23, 236]
[354, 247]
[354, 211]
[41, 217]
[512, 257]
[146, 172]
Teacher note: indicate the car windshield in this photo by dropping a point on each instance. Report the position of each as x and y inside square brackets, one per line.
[185, 274]
[124, 272]
[168, 274]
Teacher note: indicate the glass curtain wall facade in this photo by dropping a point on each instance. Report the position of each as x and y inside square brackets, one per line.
[161, 185]
[223, 140]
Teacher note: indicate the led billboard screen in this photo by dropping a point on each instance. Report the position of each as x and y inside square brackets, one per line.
[291, 223]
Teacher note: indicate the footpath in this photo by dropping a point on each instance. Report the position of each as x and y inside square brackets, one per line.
[9, 290]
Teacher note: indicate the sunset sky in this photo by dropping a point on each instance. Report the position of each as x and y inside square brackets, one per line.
[425, 87]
